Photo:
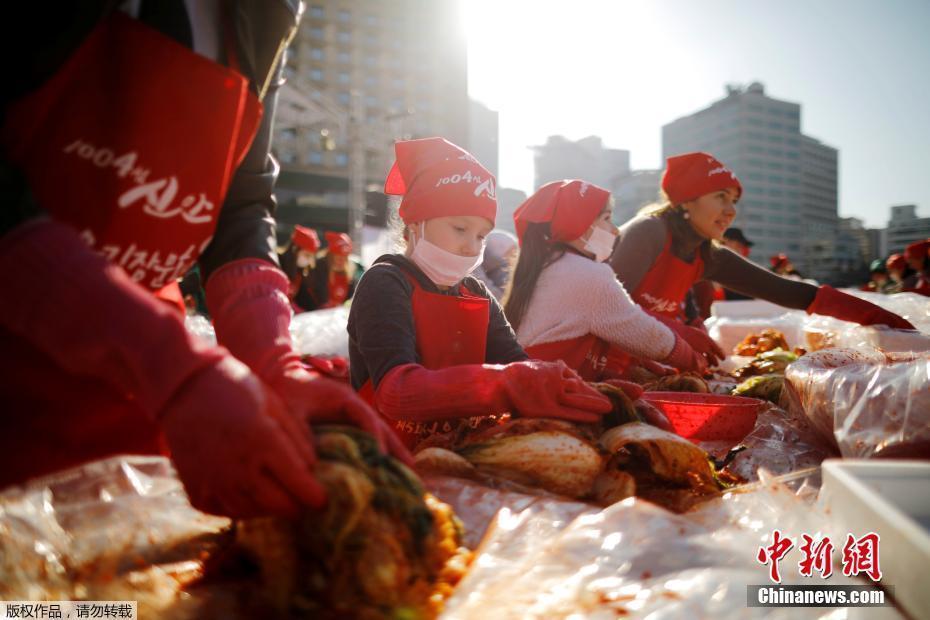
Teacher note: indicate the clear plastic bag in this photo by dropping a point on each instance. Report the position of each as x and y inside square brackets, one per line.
[867, 402]
[321, 332]
[116, 529]
[477, 505]
[781, 442]
[634, 559]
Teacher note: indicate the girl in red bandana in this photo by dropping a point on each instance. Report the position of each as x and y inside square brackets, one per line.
[428, 344]
[566, 304]
[662, 252]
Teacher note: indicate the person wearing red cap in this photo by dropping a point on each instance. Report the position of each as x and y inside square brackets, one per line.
[298, 260]
[663, 251]
[136, 143]
[897, 271]
[334, 277]
[919, 280]
[428, 344]
[566, 304]
[783, 266]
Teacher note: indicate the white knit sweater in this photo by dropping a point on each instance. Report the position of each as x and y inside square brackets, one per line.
[576, 296]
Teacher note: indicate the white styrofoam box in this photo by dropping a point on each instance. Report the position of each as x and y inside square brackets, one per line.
[891, 498]
[745, 308]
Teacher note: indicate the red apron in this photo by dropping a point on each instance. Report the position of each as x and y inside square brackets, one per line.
[666, 284]
[592, 358]
[338, 289]
[450, 331]
[133, 142]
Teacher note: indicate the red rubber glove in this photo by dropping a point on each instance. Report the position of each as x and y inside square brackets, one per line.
[227, 440]
[696, 337]
[530, 389]
[251, 313]
[232, 442]
[837, 304]
[684, 358]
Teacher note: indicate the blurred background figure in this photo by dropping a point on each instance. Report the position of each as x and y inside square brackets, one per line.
[494, 270]
[783, 266]
[916, 256]
[299, 259]
[734, 239]
[878, 278]
[332, 279]
[897, 270]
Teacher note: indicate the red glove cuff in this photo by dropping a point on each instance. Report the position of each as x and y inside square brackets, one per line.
[251, 313]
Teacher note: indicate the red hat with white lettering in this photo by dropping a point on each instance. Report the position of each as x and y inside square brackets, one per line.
[692, 175]
[305, 238]
[338, 243]
[439, 179]
[570, 206]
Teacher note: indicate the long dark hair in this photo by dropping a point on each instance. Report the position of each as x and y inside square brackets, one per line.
[536, 253]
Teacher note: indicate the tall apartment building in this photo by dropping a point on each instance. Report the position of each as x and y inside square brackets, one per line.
[405, 59]
[905, 227]
[508, 199]
[587, 159]
[787, 177]
[483, 132]
[633, 191]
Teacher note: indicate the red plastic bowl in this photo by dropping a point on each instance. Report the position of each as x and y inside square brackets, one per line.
[707, 417]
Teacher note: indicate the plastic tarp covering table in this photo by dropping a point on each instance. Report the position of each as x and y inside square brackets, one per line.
[869, 403]
[636, 560]
[116, 529]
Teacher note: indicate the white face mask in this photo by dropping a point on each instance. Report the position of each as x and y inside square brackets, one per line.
[442, 267]
[303, 260]
[600, 243]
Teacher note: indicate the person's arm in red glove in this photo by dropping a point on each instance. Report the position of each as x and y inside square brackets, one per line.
[697, 337]
[530, 389]
[236, 452]
[845, 307]
[251, 312]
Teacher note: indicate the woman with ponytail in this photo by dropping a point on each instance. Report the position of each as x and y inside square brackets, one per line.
[566, 304]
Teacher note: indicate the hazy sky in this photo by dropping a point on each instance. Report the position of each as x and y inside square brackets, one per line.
[621, 69]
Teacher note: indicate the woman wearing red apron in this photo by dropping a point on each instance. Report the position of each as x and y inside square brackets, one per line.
[127, 163]
[566, 304]
[428, 344]
[663, 251]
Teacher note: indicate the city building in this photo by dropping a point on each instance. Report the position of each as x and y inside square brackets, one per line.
[359, 76]
[483, 135]
[905, 227]
[631, 192]
[786, 176]
[587, 159]
[508, 199]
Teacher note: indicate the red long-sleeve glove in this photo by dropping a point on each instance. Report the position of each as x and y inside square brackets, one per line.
[684, 357]
[251, 313]
[530, 389]
[696, 337]
[236, 451]
[837, 304]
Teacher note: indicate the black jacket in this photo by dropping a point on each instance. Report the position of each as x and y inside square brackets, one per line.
[245, 228]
